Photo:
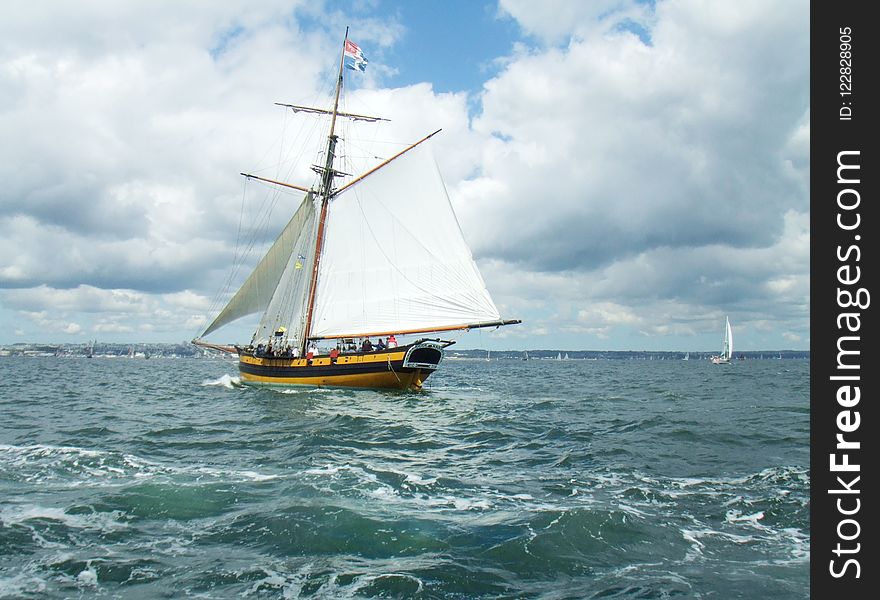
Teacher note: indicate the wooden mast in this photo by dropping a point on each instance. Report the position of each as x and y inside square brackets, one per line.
[324, 192]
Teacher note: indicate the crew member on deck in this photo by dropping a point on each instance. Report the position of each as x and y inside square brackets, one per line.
[380, 345]
[367, 346]
[392, 341]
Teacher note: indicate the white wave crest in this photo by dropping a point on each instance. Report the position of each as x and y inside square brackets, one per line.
[230, 382]
[20, 585]
[26, 516]
[80, 467]
[88, 577]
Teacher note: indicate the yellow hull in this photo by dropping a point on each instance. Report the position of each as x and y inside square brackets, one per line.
[404, 368]
[390, 381]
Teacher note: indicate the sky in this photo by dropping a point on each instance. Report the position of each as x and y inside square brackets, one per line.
[627, 174]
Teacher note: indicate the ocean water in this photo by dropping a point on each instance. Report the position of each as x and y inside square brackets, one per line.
[161, 478]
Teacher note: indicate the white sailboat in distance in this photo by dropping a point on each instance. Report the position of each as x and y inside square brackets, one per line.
[726, 346]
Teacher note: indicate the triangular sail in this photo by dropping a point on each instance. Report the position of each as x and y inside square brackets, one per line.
[727, 344]
[394, 258]
[729, 340]
[277, 285]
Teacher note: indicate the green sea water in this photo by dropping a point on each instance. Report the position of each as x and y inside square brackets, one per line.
[161, 478]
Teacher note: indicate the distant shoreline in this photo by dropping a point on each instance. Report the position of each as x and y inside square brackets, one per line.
[187, 350]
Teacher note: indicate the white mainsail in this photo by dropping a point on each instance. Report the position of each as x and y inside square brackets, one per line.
[279, 283]
[394, 258]
[727, 344]
[728, 341]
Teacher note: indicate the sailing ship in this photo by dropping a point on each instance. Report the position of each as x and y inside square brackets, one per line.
[377, 256]
[726, 346]
[525, 355]
[687, 356]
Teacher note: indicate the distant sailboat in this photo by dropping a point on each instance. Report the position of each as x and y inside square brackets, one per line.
[488, 355]
[687, 356]
[726, 346]
[525, 355]
[565, 357]
[559, 356]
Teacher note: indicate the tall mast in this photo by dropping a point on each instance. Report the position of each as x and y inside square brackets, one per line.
[324, 192]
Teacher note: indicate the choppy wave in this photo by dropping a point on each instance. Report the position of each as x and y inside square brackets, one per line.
[67, 466]
[632, 481]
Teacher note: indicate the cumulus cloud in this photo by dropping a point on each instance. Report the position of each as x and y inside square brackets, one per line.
[669, 169]
[631, 170]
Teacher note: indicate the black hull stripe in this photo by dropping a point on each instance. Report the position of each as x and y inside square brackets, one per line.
[323, 370]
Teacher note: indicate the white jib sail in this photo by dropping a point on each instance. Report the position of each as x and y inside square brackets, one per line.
[394, 258]
[278, 285]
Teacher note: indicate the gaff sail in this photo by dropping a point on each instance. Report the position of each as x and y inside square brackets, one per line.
[394, 257]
